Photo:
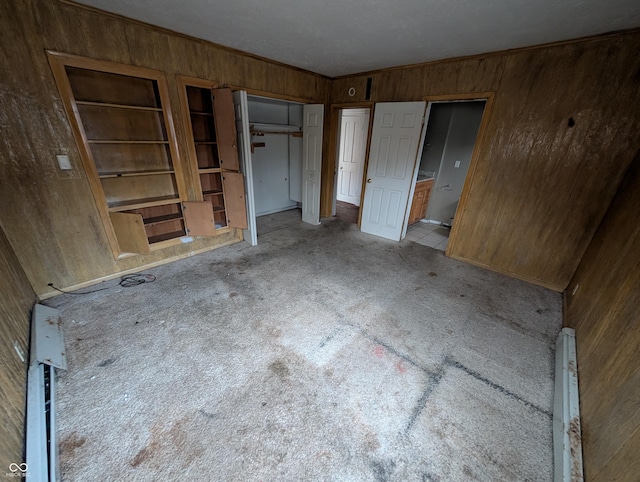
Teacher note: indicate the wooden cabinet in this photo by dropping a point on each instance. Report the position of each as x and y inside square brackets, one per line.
[420, 201]
[122, 121]
[210, 121]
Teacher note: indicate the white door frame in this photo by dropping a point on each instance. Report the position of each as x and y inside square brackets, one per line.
[240, 101]
[336, 177]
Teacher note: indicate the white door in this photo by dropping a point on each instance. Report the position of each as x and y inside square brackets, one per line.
[244, 153]
[395, 142]
[354, 125]
[312, 162]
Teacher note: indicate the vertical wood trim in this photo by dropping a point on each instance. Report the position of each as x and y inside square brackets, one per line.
[163, 89]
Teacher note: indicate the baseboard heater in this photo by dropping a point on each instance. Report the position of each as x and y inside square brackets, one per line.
[567, 438]
[46, 353]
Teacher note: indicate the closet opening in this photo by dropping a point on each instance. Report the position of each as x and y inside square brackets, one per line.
[353, 133]
[276, 154]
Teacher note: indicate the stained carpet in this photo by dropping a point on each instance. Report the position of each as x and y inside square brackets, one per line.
[321, 354]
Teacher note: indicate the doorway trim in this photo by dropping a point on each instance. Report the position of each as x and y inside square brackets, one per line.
[473, 163]
[329, 173]
[341, 114]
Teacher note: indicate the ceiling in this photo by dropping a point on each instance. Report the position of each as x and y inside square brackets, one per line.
[340, 37]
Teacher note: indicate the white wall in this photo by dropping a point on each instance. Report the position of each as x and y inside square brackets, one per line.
[435, 138]
[464, 122]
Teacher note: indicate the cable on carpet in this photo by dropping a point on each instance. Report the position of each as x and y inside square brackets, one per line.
[127, 281]
[130, 280]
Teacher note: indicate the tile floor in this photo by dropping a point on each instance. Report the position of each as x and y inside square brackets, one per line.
[432, 235]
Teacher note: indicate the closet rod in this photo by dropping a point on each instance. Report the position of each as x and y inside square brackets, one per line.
[262, 133]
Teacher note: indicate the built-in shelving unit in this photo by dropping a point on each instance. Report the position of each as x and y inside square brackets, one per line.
[121, 118]
[211, 122]
[203, 129]
[125, 127]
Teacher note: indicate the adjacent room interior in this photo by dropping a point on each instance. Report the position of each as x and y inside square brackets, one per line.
[352, 269]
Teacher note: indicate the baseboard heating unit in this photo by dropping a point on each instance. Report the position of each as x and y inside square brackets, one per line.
[567, 438]
[47, 353]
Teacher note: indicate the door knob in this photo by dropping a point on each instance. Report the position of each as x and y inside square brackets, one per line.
[369, 181]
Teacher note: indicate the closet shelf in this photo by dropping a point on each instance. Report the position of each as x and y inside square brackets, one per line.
[280, 127]
[209, 170]
[165, 237]
[142, 203]
[193, 112]
[267, 133]
[212, 192]
[107, 175]
[117, 106]
[98, 141]
[162, 219]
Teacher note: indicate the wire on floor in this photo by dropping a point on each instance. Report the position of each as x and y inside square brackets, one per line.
[130, 280]
[127, 281]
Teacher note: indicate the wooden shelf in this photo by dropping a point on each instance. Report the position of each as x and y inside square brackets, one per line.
[118, 106]
[210, 114]
[95, 141]
[162, 219]
[166, 236]
[218, 209]
[209, 170]
[205, 143]
[143, 203]
[212, 192]
[107, 175]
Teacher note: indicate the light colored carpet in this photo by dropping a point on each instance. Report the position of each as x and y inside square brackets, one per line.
[321, 354]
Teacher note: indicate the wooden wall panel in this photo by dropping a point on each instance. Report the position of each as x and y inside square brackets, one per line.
[16, 300]
[540, 186]
[49, 215]
[605, 312]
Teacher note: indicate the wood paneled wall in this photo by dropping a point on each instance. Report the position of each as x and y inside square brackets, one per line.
[541, 186]
[605, 312]
[16, 300]
[48, 215]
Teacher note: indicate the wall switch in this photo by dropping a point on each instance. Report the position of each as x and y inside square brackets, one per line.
[457, 164]
[18, 348]
[64, 162]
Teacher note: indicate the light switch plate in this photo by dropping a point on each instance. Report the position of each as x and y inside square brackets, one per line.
[64, 162]
[457, 164]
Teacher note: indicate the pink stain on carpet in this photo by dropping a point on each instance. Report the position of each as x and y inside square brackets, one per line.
[379, 351]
